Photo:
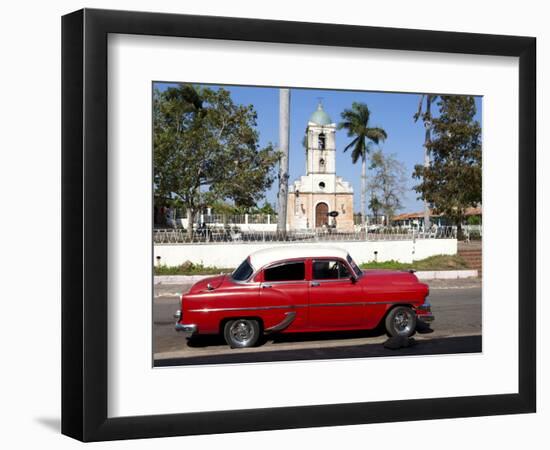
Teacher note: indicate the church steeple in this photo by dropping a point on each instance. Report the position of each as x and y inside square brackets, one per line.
[320, 190]
[321, 143]
[320, 117]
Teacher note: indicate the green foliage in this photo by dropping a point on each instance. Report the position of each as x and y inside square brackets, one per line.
[229, 209]
[452, 182]
[188, 268]
[474, 220]
[206, 149]
[356, 121]
[388, 184]
[375, 205]
[437, 262]
[266, 208]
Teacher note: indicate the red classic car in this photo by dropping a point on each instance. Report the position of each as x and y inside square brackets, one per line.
[302, 289]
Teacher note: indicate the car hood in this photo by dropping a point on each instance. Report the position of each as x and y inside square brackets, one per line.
[389, 276]
[202, 285]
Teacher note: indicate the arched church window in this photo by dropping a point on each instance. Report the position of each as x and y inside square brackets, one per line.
[322, 141]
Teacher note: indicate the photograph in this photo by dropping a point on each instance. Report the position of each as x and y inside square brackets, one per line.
[292, 223]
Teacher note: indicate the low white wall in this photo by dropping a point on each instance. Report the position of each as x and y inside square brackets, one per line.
[232, 254]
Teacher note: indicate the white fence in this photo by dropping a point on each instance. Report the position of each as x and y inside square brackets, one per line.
[225, 255]
[245, 222]
[209, 235]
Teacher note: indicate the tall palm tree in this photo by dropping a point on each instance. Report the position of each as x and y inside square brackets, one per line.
[427, 118]
[284, 129]
[356, 121]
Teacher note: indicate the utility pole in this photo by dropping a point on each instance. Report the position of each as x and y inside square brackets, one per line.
[427, 119]
[428, 137]
[284, 132]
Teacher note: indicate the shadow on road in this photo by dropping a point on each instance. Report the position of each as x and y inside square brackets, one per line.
[210, 340]
[435, 346]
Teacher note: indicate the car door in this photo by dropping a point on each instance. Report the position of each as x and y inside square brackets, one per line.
[336, 301]
[284, 292]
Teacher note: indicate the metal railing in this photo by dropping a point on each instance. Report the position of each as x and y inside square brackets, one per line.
[208, 235]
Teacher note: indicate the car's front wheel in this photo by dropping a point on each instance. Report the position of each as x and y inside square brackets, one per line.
[241, 333]
[401, 321]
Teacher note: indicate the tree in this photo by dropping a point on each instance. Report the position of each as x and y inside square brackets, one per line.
[452, 182]
[427, 119]
[174, 111]
[375, 206]
[356, 121]
[284, 130]
[206, 150]
[266, 208]
[388, 183]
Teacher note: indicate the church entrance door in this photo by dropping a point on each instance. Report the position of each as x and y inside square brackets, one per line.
[321, 215]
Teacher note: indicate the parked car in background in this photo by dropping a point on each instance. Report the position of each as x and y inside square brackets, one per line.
[302, 288]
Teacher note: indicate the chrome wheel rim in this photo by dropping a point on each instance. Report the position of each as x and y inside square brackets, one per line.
[403, 322]
[241, 331]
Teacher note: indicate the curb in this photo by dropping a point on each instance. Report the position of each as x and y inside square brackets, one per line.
[422, 275]
[445, 274]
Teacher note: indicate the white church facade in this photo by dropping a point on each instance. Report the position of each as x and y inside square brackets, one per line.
[320, 199]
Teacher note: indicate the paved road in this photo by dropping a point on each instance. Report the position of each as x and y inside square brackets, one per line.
[457, 329]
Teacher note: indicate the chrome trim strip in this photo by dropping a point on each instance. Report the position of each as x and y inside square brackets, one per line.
[285, 323]
[248, 308]
[331, 280]
[264, 308]
[339, 304]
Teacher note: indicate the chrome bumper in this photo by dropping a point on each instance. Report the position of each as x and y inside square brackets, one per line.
[188, 330]
[424, 312]
[426, 317]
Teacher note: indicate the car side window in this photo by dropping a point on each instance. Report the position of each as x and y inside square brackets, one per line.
[292, 271]
[329, 270]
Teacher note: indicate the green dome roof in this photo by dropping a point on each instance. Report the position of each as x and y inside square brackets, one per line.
[320, 117]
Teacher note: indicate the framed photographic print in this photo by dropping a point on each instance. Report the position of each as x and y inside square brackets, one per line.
[273, 225]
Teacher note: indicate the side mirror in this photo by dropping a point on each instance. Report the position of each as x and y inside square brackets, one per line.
[353, 279]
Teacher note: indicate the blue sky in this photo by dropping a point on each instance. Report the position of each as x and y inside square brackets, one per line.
[391, 111]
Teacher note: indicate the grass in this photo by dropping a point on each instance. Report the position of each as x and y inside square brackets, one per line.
[438, 262]
[188, 268]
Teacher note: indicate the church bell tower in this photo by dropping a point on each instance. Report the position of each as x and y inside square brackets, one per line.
[319, 199]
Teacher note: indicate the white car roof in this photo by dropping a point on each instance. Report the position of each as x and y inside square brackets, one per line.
[260, 258]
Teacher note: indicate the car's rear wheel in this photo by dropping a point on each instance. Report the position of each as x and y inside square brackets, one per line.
[241, 333]
[401, 321]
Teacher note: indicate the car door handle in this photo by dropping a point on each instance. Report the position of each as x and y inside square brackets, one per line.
[315, 284]
[266, 285]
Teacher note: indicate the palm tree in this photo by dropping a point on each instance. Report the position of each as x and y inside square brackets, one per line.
[427, 118]
[356, 122]
[284, 129]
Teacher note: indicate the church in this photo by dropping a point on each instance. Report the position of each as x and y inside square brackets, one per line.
[320, 199]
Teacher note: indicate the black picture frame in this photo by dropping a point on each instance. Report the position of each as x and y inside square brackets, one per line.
[84, 224]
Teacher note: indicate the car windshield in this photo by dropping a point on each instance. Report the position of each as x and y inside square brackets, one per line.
[243, 272]
[354, 266]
